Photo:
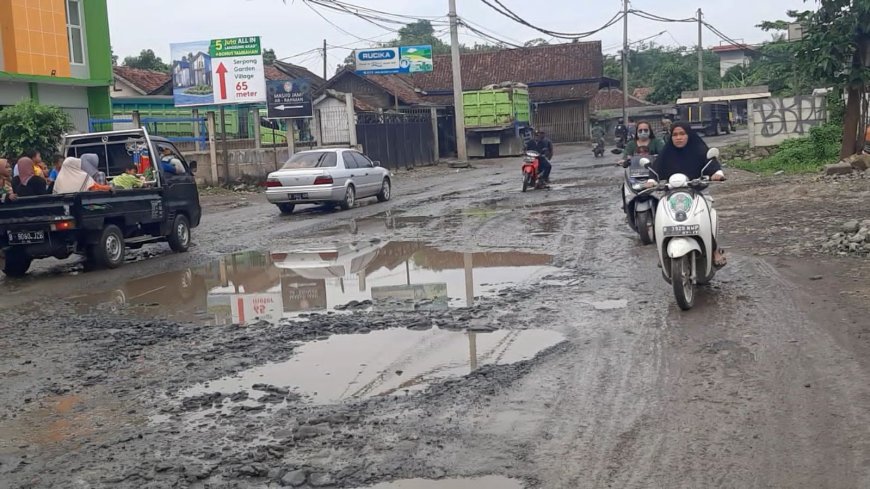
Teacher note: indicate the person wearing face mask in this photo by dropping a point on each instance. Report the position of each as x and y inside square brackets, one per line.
[645, 143]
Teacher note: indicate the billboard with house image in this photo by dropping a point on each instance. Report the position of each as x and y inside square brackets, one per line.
[191, 71]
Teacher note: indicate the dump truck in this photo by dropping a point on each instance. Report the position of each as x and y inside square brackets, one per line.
[497, 120]
[712, 119]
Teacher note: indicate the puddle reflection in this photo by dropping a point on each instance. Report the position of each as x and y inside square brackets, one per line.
[250, 287]
[395, 361]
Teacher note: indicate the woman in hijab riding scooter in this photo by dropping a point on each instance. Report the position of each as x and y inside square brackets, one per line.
[686, 153]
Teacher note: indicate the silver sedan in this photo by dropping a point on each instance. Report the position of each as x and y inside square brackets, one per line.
[327, 176]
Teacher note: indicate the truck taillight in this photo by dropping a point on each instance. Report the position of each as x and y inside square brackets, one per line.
[272, 183]
[63, 226]
[326, 180]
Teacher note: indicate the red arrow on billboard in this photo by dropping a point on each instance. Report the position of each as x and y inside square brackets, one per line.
[222, 73]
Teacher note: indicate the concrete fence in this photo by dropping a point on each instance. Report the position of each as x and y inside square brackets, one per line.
[773, 120]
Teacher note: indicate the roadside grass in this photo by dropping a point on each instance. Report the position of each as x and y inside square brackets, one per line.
[807, 154]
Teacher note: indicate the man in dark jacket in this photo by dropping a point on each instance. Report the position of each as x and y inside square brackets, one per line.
[544, 147]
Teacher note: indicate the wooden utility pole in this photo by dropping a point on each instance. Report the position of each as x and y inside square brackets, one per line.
[458, 109]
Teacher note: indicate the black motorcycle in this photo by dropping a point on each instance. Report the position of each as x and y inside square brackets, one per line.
[640, 209]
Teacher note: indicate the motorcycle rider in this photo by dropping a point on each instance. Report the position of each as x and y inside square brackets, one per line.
[598, 136]
[645, 142]
[544, 147]
[621, 132]
[686, 153]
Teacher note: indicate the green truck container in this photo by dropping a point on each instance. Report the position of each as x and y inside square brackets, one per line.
[497, 120]
[496, 107]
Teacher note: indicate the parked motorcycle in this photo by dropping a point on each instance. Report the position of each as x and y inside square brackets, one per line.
[531, 174]
[639, 206]
[685, 227]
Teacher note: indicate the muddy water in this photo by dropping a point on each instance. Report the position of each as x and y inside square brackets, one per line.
[252, 287]
[397, 361]
[490, 482]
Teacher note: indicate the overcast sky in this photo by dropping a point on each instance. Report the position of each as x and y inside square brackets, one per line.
[293, 28]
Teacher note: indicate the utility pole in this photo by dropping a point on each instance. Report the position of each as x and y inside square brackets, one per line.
[458, 109]
[700, 68]
[625, 61]
[324, 59]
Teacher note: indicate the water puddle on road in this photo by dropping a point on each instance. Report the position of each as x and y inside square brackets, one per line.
[370, 275]
[387, 362]
[490, 482]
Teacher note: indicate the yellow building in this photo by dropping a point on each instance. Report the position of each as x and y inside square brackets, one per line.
[56, 52]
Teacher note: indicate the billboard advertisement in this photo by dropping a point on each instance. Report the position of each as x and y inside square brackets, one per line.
[218, 71]
[391, 61]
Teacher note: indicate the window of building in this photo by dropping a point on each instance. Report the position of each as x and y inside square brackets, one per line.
[74, 31]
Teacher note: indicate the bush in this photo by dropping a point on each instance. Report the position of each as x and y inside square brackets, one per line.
[28, 125]
[801, 155]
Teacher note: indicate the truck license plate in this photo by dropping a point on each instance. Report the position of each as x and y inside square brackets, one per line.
[25, 237]
[490, 140]
[685, 230]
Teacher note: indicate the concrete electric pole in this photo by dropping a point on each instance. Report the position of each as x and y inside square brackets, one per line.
[625, 61]
[324, 60]
[700, 68]
[458, 110]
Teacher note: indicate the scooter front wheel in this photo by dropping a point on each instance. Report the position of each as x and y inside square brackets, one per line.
[527, 182]
[645, 227]
[681, 279]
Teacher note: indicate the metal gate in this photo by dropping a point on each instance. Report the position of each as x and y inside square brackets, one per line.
[396, 140]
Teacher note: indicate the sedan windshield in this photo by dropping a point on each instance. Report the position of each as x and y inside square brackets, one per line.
[305, 160]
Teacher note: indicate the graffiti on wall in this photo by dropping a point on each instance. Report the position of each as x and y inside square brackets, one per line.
[777, 119]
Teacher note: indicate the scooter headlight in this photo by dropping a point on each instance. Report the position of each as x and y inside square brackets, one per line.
[637, 187]
[680, 203]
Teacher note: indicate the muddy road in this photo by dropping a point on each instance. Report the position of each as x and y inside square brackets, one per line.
[462, 335]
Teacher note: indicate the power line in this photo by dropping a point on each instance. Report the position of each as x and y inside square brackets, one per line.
[659, 18]
[333, 24]
[505, 11]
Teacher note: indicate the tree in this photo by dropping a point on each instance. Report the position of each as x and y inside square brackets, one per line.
[146, 60]
[536, 42]
[667, 71]
[269, 57]
[114, 57]
[29, 125]
[835, 49]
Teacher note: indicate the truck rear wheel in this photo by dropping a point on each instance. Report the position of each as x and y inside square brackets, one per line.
[108, 252]
[179, 236]
[17, 263]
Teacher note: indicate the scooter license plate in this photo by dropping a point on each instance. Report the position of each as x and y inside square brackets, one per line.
[682, 230]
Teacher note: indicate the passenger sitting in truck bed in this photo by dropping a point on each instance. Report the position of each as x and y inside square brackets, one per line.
[27, 184]
[91, 166]
[6, 192]
[72, 179]
[128, 180]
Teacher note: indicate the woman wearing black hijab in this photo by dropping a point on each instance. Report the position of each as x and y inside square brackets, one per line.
[686, 153]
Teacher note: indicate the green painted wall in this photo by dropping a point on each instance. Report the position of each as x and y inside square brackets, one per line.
[99, 46]
[99, 103]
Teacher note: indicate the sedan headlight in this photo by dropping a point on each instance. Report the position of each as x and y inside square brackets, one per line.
[680, 203]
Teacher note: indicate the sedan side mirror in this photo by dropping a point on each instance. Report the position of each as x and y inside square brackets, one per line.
[192, 165]
[377, 163]
[712, 153]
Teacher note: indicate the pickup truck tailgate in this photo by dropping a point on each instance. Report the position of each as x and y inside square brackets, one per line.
[34, 210]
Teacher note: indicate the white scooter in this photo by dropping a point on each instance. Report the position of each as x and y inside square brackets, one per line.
[685, 228]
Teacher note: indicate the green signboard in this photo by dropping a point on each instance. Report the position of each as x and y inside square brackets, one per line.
[235, 46]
